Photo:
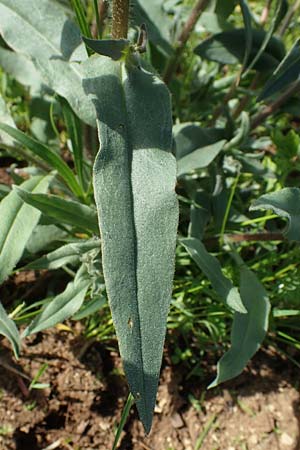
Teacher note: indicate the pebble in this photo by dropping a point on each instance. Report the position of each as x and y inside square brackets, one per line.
[286, 439]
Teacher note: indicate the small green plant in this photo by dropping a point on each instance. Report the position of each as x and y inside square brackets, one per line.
[108, 217]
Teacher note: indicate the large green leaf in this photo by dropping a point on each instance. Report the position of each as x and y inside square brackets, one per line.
[21, 68]
[286, 73]
[199, 158]
[228, 47]
[190, 136]
[248, 330]
[134, 185]
[65, 211]
[212, 269]
[42, 31]
[17, 221]
[62, 306]
[9, 330]
[45, 153]
[285, 203]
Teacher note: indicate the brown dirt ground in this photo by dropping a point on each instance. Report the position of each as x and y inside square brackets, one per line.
[258, 410]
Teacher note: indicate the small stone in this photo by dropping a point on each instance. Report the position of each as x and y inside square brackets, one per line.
[286, 439]
[177, 421]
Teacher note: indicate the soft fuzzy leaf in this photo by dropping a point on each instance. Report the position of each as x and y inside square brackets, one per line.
[248, 330]
[199, 158]
[62, 306]
[134, 185]
[286, 73]
[114, 48]
[5, 118]
[17, 221]
[65, 211]
[9, 330]
[54, 44]
[66, 254]
[285, 203]
[229, 48]
[190, 136]
[212, 269]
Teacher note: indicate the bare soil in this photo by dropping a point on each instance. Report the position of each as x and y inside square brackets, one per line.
[87, 389]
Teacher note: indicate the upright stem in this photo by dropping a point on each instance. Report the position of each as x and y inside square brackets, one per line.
[183, 38]
[273, 107]
[120, 19]
[288, 17]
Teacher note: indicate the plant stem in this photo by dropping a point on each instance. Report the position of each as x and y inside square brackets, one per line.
[273, 107]
[288, 17]
[120, 19]
[183, 38]
[130, 401]
[96, 8]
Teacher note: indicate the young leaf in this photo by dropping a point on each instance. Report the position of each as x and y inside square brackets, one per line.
[66, 211]
[286, 73]
[17, 221]
[67, 254]
[248, 330]
[212, 269]
[134, 185]
[199, 158]
[9, 330]
[285, 203]
[45, 153]
[113, 48]
[62, 306]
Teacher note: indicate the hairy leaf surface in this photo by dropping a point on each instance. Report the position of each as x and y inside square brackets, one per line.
[17, 221]
[134, 181]
[248, 330]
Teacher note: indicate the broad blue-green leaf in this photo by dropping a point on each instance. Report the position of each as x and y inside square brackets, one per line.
[286, 73]
[9, 330]
[285, 203]
[66, 254]
[44, 236]
[62, 306]
[191, 136]
[199, 158]
[228, 47]
[45, 153]
[65, 211]
[21, 68]
[17, 221]
[248, 330]
[212, 269]
[91, 307]
[42, 31]
[114, 48]
[134, 185]
[6, 118]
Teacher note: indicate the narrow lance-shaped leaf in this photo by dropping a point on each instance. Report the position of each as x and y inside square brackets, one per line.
[248, 330]
[63, 305]
[65, 211]
[9, 330]
[45, 153]
[134, 185]
[286, 73]
[17, 221]
[285, 203]
[212, 269]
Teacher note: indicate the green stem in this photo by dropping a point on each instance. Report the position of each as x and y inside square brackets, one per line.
[98, 22]
[232, 192]
[183, 38]
[120, 19]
